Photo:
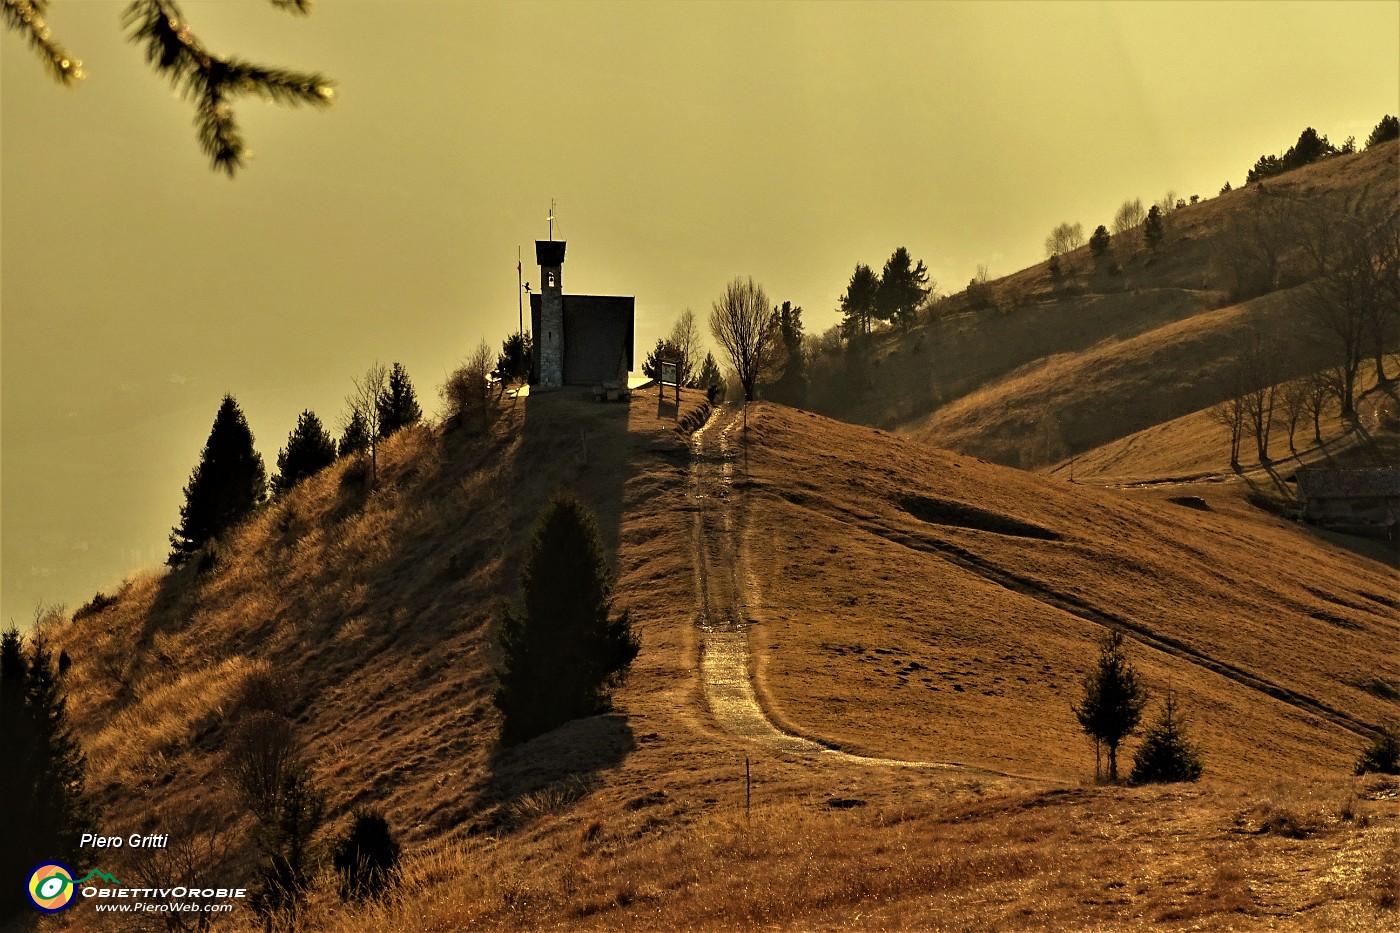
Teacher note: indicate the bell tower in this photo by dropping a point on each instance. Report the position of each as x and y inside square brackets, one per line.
[550, 334]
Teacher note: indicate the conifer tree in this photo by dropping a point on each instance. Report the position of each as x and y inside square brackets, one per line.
[1098, 243]
[1113, 698]
[790, 387]
[903, 286]
[309, 450]
[367, 857]
[1386, 130]
[355, 438]
[1166, 754]
[565, 651]
[858, 304]
[211, 81]
[710, 378]
[41, 781]
[1152, 227]
[226, 485]
[398, 406]
[651, 366]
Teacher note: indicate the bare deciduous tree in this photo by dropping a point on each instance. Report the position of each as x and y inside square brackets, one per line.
[685, 338]
[364, 403]
[467, 392]
[1130, 214]
[739, 322]
[1230, 414]
[1259, 371]
[1064, 238]
[1293, 403]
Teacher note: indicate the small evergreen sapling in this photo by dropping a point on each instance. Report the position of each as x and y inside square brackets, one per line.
[1383, 755]
[1113, 698]
[367, 857]
[1166, 754]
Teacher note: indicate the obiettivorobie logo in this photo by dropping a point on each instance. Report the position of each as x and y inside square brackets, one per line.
[52, 885]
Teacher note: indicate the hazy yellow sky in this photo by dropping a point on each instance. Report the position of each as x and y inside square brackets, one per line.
[684, 143]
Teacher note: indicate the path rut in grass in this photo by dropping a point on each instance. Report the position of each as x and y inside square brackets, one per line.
[721, 585]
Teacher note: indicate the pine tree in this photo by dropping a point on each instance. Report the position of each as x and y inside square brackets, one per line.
[1382, 756]
[1152, 227]
[209, 80]
[790, 388]
[286, 840]
[651, 366]
[1166, 754]
[45, 811]
[226, 485]
[1386, 130]
[903, 286]
[309, 450]
[563, 654]
[355, 438]
[1113, 699]
[513, 363]
[398, 407]
[710, 378]
[1098, 243]
[858, 304]
[367, 857]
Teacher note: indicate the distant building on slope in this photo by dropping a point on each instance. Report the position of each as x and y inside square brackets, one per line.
[1357, 501]
[579, 339]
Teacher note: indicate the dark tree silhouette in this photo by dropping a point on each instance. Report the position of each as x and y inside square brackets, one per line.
[367, 857]
[902, 288]
[1309, 148]
[739, 322]
[1152, 227]
[355, 438]
[858, 304]
[651, 366]
[41, 782]
[790, 387]
[1113, 698]
[1166, 754]
[397, 405]
[710, 378]
[1386, 130]
[1382, 756]
[226, 485]
[513, 363]
[309, 450]
[1099, 241]
[562, 654]
[212, 82]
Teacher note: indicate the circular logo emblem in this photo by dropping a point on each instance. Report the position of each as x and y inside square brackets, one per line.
[51, 887]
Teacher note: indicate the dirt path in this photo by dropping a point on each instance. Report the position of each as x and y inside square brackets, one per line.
[721, 582]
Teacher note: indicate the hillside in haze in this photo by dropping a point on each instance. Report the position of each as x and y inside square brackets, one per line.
[1057, 366]
[908, 628]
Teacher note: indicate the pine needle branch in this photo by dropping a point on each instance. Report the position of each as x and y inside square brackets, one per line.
[211, 81]
[27, 16]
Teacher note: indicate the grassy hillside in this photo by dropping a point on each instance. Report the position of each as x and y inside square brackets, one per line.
[1060, 366]
[900, 602]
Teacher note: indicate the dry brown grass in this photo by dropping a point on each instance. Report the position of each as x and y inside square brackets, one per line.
[1062, 368]
[893, 630]
[378, 604]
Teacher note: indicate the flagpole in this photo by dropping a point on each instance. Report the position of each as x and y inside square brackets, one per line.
[520, 300]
